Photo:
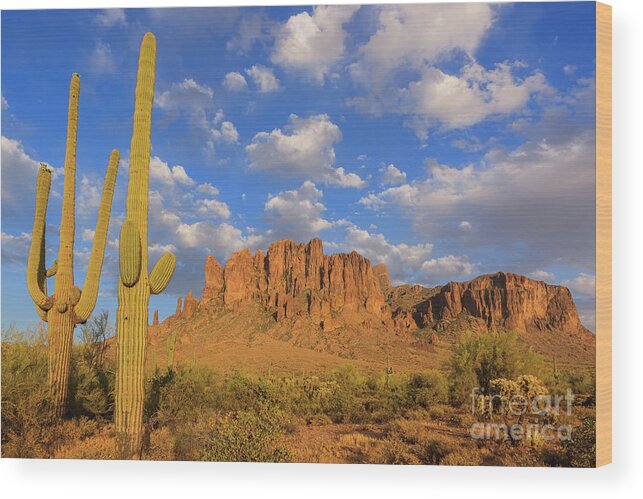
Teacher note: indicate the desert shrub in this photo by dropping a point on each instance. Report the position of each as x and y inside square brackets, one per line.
[393, 451]
[436, 448]
[246, 436]
[581, 449]
[469, 456]
[92, 380]
[26, 408]
[427, 389]
[476, 360]
[179, 397]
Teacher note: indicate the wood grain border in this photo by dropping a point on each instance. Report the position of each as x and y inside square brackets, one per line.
[603, 234]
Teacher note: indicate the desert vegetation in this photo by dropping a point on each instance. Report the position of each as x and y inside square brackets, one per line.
[193, 412]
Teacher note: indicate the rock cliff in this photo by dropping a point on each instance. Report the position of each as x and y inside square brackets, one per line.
[298, 280]
[503, 300]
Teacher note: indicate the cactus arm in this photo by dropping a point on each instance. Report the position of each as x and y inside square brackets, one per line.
[65, 276]
[35, 263]
[129, 246]
[51, 271]
[162, 273]
[90, 290]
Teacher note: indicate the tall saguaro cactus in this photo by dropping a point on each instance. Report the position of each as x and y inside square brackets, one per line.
[135, 286]
[68, 306]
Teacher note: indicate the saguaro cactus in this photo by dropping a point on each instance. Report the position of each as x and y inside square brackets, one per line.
[68, 306]
[135, 286]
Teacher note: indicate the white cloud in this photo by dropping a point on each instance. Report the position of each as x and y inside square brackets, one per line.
[542, 275]
[264, 78]
[417, 35]
[15, 249]
[208, 188]
[457, 101]
[89, 196]
[187, 95]
[448, 266]
[393, 175]
[313, 43]
[88, 235]
[101, 59]
[398, 68]
[297, 214]
[5, 104]
[569, 69]
[402, 260]
[584, 284]
[303, 149]
[235, 82]
[161, 172]
[540, 194]
[18, 173]
[464, 225]
[213, 207]
[111, 17]
[226, 133]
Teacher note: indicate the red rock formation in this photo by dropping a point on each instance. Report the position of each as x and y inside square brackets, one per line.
[503, 300]
[190, 304]
[381, 273]
[155, 321]
[213, 280]
[298, 280]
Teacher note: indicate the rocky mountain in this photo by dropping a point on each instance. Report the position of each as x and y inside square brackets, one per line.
[501, 300]
[340, 303]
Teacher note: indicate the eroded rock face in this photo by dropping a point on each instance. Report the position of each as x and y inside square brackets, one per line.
[501, 300]
[213, 280]
[298, 280]
[381, 273]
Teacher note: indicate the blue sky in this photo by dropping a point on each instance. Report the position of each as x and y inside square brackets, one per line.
[444, 140]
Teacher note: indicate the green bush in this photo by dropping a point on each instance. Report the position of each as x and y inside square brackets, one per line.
[427, 389]
[247, 436]
[478, 359]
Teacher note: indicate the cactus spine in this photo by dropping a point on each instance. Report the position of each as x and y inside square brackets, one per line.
[68, 306]
[135, 286]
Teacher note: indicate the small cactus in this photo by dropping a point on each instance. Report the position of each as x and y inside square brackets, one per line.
[67, 306]
[171, 342]
[135, 286]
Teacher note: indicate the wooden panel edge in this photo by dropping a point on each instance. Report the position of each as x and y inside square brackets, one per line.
[603, 234]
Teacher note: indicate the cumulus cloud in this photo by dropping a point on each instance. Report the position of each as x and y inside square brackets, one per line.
[297, 214]
[416, 35]
[304, 148]
[539, 195]
[235, 82]
[448, 266]
[111, 17]
[15, 249]
[401, 68]
[226, 133]
[457, 101]
[18, 173]
[542, 275]
[101, 59]
[313, 43]
[264, 78]
[406, 263]
[213, 207]
[189, 97]
[392, 175]
[584, 284]
[161, 172]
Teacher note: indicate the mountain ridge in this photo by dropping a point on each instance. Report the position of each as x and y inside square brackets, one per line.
[341, 303]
